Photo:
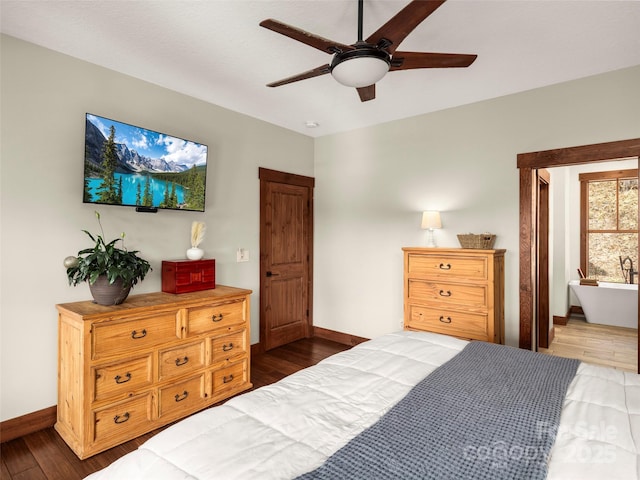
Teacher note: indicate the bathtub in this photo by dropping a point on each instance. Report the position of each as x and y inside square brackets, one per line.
[613, 304]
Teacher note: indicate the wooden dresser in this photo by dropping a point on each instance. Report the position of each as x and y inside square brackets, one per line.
[455, 291]
[127, 369]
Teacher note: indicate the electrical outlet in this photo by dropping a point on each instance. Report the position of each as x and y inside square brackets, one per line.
[401, 324]
[242, 255]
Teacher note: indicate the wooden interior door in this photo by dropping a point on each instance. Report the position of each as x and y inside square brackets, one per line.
[286, 246]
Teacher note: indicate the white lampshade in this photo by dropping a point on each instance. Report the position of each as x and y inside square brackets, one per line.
[431, 219]
[360, 71]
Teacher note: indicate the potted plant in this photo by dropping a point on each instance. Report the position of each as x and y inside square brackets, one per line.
[110, 271]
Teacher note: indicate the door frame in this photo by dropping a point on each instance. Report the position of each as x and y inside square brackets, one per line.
[267, 175]
[543, 309]
[528, 164]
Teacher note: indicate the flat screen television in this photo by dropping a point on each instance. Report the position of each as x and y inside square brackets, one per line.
[132, 166]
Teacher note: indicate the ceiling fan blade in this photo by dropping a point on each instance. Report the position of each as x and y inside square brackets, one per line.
[409, 60]
[367, 93]
[316, 72]
[315, 41]
[403, 23]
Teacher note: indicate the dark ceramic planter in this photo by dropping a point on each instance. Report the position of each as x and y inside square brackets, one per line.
[105, 293]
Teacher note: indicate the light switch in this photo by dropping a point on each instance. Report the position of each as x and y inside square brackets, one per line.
[242, 255]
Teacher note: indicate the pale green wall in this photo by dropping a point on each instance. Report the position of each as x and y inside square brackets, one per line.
[372, 185]
[44, 99]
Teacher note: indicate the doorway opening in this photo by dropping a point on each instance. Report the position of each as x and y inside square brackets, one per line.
[529, 164]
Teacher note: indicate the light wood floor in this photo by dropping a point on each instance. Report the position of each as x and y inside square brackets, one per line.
[600, 344]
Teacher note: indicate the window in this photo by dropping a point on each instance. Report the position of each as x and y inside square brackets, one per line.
[609, 225]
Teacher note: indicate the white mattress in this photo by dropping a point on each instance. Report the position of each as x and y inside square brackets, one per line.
[290, 427]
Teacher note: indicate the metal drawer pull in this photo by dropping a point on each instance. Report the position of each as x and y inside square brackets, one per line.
[120, 379]
[445, 266]
[181, 361]
[179, 397]
[135, 334]
[445, 320]
[121, 419]
[445, 294]
[228, 379]
[216, 318]
[226, 348]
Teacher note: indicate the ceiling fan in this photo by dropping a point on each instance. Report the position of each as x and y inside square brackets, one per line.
[363, 63]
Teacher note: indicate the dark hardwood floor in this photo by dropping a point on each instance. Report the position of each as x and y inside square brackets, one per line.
[43, 455]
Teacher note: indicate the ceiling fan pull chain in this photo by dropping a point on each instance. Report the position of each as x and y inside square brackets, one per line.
[360, 16]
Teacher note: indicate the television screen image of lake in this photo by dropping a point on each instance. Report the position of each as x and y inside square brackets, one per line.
[130, 184]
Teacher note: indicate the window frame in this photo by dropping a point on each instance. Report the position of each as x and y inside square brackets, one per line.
[585, 179]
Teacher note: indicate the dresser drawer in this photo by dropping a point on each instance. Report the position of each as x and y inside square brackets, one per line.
[228, 346]
[430, 292]
[449, 322]
[120, 380]
[212, 317]
[132, 335]
[230, 377]
[455, 291]
[447, 266]
[181, 360]
[125, 370]
[126, 420]
[181, 397]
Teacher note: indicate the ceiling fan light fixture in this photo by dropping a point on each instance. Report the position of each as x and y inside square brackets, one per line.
[361, 67]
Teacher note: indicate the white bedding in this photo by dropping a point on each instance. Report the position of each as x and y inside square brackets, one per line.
[291, 427]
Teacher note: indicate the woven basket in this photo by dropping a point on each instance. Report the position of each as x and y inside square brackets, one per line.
[471, 240]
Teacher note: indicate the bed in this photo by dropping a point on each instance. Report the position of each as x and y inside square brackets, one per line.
[299, 425]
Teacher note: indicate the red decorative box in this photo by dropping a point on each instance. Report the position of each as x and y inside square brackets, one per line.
[182, 276]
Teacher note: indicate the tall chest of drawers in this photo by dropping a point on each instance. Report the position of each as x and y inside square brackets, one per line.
[455, 291]
[127, 369]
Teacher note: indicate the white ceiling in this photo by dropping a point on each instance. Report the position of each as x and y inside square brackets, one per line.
[215, 50]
